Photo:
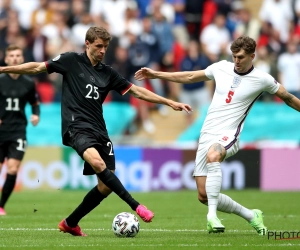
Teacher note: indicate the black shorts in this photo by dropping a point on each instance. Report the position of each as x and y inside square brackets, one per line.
[12, 149]
[81, 141]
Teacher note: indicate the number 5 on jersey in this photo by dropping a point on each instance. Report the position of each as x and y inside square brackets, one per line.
[229, 96]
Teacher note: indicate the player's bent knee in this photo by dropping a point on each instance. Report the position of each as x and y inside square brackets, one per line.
[216, 153]
[98, 165]
[212, 157]
[12, 170]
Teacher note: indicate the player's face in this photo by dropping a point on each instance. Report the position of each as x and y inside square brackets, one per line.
[96, 50]
[14, 57]
[242, 61]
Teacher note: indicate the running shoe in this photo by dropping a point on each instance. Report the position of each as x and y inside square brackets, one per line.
[144, 213]
[76, 231]
[2, 211]
[214, 225]
[257, 222]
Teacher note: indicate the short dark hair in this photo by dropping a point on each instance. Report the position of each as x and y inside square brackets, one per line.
[94, 33]
[12, 47]
[243, 42]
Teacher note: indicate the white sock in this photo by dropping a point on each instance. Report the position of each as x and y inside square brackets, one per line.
[213, 187]
[227, 205]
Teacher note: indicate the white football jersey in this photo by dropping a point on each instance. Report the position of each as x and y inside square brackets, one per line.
[235, 94]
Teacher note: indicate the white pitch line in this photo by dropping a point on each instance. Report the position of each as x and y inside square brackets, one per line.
[105, 229]
[160, 245]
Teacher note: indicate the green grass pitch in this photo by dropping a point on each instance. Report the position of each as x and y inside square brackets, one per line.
[179, 223]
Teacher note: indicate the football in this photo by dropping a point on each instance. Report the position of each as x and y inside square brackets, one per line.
[125, 225]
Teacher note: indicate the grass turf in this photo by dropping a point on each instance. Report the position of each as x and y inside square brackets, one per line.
[179, 223]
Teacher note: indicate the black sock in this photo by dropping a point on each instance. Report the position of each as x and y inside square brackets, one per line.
[112, 181]
[89, 202]
[7, 189]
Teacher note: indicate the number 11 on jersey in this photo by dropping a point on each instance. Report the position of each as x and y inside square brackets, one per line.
[12, 104]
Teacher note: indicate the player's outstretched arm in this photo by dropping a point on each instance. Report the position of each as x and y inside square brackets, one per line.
[288, 98]
[180, 77]
[25, 68]
[146, 95]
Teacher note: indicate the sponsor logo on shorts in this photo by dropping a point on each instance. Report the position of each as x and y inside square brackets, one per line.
[225, 138]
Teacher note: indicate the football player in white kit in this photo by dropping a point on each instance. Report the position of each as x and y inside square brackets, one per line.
[238, 86]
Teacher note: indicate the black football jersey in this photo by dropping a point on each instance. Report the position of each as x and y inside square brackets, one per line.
[84, 89]
[14, 94]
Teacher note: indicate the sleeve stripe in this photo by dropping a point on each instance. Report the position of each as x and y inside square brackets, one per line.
[47, 65]
[126, 90]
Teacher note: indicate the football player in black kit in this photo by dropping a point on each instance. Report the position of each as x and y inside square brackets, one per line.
[15, 91]
[86, 83]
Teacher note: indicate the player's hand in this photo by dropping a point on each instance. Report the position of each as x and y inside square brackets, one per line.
[144, 73]
[34, 119]
[181, 106]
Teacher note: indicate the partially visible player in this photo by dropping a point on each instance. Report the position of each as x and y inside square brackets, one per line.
[86, 83]
[15, 92]
[238, 86]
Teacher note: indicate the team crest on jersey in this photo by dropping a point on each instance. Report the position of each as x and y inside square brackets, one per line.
[236, 82]
[56, 58]
[92, 79]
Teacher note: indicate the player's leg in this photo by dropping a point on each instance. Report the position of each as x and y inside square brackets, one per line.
[227, 205]
[214, 157]
[208, 180]
[2, 211]
[210, 186]
[14, 152]
[214, 225]
[100, 159]
[92, 157]
[93, 198]
[10, 181]
[253, 216]
[221, 147]
[224, 204]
